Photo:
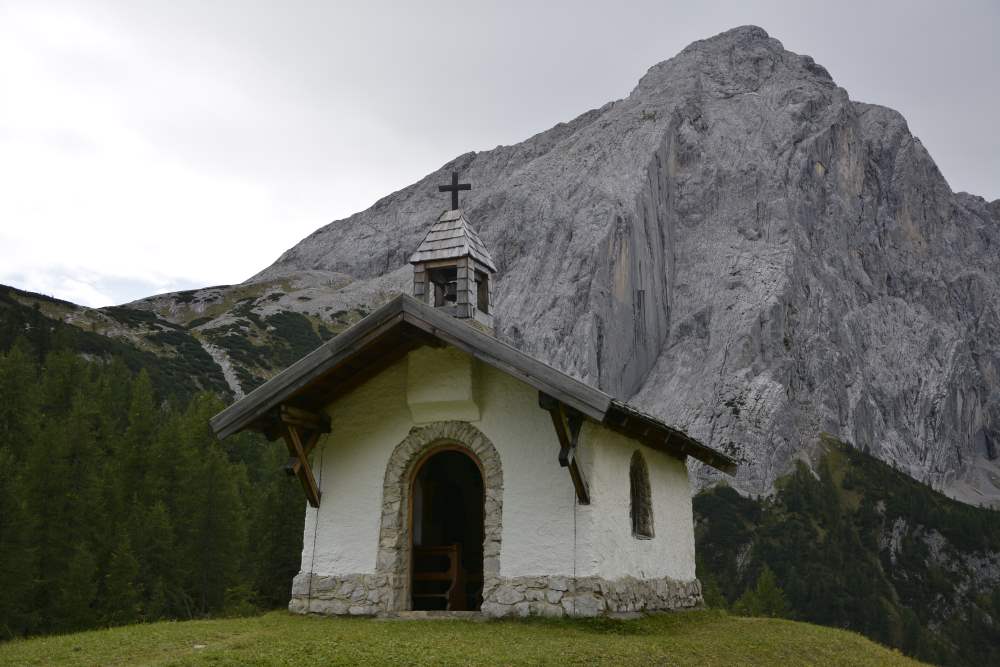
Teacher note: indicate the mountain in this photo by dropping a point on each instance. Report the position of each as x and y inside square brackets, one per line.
[736, 246]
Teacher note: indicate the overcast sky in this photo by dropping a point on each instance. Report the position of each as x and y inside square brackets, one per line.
[155, 146]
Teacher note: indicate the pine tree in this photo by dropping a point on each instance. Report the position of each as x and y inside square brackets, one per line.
[276, 525]
[711, 592]
[19, 408]
[74, 590]
[211, 504]
[139, 436]
[122, 594]
[16, 553]
[153, 540]
[764, 599]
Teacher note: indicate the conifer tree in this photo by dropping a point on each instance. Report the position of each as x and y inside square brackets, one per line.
[122, 596]
[213, 509]
[18, 398]
[74, 591]
[152, 536]
[764, 599]
[16, 553]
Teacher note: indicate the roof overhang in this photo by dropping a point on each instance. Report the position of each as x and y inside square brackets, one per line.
[403, 324]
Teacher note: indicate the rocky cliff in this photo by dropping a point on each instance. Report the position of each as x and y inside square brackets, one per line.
[737, 246]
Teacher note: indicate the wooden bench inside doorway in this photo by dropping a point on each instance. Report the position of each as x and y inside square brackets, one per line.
[440, 570]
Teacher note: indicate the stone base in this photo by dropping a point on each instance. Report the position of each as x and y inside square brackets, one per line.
[587, 596]
[371, 594]
[352, 594]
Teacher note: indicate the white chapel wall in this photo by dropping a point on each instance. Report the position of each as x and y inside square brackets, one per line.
[538, 499]
[541, 522]
[616, 552]
[368, 423]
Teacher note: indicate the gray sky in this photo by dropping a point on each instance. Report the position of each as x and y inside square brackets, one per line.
[155, 146]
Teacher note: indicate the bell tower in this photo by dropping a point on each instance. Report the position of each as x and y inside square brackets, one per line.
[452, 270]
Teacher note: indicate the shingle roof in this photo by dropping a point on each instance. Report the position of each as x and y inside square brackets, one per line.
[335, 367]
[452, 237]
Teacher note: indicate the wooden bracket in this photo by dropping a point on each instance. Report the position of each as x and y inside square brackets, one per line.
[298, 427]
[311, 420]
[567, 423]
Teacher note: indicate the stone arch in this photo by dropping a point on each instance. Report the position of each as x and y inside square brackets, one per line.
[394, 532]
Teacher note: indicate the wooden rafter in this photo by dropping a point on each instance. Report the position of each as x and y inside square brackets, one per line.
[567, 423]
[301, 431]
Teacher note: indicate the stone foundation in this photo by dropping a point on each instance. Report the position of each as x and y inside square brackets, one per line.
[372, 594]
[352, 594]
[586, 596]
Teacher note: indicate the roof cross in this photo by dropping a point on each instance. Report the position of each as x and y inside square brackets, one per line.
[454, 188]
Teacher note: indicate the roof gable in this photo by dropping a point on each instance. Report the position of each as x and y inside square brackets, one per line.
[403, 324]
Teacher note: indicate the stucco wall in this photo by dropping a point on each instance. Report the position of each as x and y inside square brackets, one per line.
[540, 523]
[614, 551]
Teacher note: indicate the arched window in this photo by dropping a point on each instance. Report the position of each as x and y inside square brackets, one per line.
[641, 507]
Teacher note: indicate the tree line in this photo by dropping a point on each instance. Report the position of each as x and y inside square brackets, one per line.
[118, 506]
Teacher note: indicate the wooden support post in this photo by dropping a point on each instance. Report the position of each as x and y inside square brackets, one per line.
[293, 465]
[568, 435]
[304, 471]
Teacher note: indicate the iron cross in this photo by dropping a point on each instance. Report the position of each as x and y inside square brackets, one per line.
[454, 188]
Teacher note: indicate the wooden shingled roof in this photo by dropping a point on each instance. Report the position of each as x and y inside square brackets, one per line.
[404, 324]
[450, 237]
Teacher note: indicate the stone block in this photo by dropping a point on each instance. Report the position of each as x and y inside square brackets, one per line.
[508, 595]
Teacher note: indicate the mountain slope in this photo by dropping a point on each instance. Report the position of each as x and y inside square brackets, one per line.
[742, 250]
[856, 544]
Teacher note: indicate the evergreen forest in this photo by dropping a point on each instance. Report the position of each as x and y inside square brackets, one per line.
[118, 506]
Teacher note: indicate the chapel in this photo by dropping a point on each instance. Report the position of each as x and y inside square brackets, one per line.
[446, 470]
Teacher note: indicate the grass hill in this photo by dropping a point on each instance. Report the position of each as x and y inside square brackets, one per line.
[279, 638]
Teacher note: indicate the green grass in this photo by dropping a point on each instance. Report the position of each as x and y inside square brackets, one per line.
[280, 638]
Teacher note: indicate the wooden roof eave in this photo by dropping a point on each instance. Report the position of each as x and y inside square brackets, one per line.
[260, 401]
[253, 409]
[657, 435]
[339, 360]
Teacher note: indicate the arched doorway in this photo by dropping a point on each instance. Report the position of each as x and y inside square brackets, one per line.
[393, 564]
[446, 531]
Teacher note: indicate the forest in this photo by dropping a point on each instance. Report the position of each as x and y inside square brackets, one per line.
[857, 544]
[118, 506]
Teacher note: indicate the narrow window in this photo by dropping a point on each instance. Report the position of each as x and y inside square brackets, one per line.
[641, 507]
[482, 292]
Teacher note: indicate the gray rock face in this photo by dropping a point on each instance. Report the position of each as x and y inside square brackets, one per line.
[742, 250]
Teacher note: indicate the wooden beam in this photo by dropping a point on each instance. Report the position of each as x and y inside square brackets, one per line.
[568, 436]
[316, 421]
[293, 465]
[305, 474]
